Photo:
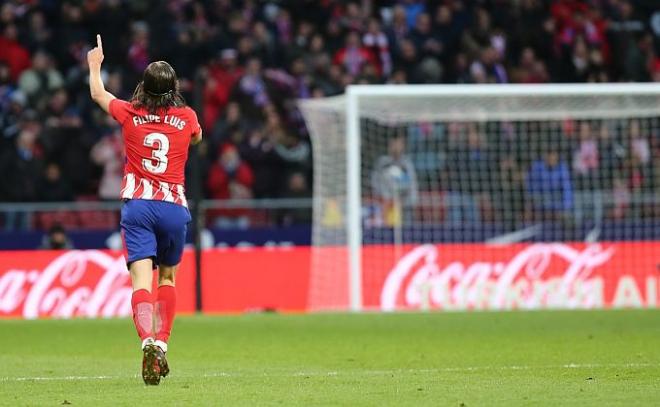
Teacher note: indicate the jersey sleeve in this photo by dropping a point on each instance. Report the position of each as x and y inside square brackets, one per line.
[195, 128]
[119, 109]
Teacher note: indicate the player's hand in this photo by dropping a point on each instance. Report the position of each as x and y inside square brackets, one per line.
[95, 55]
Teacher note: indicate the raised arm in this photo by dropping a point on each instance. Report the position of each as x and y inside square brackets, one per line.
[96, 89]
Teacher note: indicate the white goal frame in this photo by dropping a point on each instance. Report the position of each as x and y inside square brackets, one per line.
[352, 110]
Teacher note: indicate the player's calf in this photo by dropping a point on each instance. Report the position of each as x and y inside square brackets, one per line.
[143, 310]
[165, 311]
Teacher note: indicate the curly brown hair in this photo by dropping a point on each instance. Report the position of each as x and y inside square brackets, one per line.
[158, 90]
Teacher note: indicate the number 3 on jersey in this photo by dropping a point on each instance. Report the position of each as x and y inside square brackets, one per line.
[160, 145]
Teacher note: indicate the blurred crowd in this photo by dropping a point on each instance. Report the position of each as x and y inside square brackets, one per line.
[571, 172]
[242, 65]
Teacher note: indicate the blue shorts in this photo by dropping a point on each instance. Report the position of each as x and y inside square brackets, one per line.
[154, 230]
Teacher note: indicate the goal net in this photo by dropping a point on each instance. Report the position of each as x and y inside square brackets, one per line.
[485, 197]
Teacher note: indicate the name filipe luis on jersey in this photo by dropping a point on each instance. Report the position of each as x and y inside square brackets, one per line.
[173, 121]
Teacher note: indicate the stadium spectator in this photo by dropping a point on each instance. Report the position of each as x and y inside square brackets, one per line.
[639, 147]
[230, 178]
[296, 188]
[488, 68]
[378, 44]
[138, 52]
[222, 76]
[413, 8]
[300, 79]
[621, 198]
[509, 196]
[12, 103]
[109, 154]
[56, 239]
[258, 152]
[64, 139]
[587, 175]
[446, 29]
[638, 168]
[394, 183]
[477, 36]
[423, 38]
[228, 128]
[13, 53]
[353, 18]
[22, 167]
[354, 57]
[252, 89]
[23, 163]
[39, 35]
[623, 26]
[294, 153]
[548, 187]
[530, 69]
[468, 173]
[407, 61]
[52, 187]
[41, 79]
[398, 29]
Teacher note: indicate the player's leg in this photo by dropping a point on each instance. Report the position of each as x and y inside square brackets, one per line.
[165, 303]
[171, 238]
[140, 244]
[142, 301]
[165, 311]
[143, 317]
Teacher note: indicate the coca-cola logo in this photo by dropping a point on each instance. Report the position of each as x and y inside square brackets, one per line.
[87, 283]
[552, 275]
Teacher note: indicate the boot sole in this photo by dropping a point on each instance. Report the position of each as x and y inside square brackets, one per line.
[151, 366]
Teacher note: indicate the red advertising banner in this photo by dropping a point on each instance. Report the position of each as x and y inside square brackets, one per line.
[76, 283]
[95, 283]
[255, 279]
[518, 276]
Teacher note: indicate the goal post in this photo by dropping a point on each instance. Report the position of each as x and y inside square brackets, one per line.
[401, 167]
[354, 201]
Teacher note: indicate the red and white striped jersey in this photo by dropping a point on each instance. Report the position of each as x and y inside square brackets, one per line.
[156, 151]
[134, 187]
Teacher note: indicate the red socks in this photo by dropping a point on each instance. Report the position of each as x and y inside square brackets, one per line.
[165, 309]
[143, 310]
[144, 313]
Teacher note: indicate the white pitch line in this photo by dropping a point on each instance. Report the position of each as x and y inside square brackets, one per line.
[465, 369]
[57, 378]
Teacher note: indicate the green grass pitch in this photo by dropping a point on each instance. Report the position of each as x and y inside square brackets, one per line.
[436, 359]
